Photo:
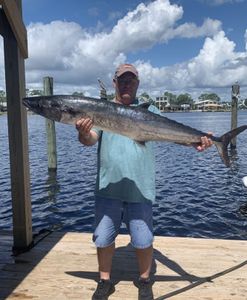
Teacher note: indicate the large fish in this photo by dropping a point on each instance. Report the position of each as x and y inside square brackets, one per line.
[135, 122]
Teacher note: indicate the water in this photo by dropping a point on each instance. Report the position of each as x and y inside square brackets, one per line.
[197, 196]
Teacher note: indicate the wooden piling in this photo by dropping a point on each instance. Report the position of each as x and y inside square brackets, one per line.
[234, 118]
[50, 129]
[14, 34]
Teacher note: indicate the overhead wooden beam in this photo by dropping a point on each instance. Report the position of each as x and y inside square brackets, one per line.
[14, 17]
[1, 20]
[18, 139]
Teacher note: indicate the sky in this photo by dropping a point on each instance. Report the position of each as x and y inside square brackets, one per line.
[179, 46]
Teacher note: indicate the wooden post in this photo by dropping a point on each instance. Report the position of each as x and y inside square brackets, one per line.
[13, 12]
[1, 21]
[50, 129]
[234, 119]
[18, 137]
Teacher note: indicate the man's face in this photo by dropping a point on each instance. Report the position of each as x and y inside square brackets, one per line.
[126, 87]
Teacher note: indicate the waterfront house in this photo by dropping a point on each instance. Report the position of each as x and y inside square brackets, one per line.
[163, 103]
[208, 105]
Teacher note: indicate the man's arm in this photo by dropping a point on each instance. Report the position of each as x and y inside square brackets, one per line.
[86, 135]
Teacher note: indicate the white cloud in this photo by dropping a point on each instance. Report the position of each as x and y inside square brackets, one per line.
[217, 65]
[214, 69]
[221, 2]
[190, 30]
[215, 56]
[76, 57]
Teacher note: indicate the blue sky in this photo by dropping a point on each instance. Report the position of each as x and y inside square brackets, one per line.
[192, 46]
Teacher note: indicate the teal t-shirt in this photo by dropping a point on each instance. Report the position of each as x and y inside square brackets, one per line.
[126, 169]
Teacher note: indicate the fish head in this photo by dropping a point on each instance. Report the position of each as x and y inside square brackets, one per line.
[46, 106]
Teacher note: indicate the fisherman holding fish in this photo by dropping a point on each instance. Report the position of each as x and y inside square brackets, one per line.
[125, 189]
[125, 185]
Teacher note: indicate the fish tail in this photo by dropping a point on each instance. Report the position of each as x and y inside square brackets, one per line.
[224, 141]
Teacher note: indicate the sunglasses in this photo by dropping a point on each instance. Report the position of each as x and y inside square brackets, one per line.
[127, 81]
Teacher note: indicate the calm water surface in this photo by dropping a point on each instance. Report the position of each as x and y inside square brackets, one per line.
[197, 195]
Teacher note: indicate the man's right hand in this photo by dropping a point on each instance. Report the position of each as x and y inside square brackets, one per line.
[86, 136]
[84, 126]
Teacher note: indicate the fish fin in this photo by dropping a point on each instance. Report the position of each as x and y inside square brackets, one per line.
[224, 141]
[141, 143]
[144, 105]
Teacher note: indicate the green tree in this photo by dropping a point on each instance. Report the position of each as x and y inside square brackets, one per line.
[171, 97]
[2, 99]
[2, 96]
[78, 94]
[145, 97]
[151, 101]
[34, 92]
[210, 96]
[184, 99]
[110, 97]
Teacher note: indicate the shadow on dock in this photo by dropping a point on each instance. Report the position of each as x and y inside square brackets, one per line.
[15, 268]
[201, 281]
[124, 268]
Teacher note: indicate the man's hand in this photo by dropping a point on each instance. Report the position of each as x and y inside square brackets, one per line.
[206, 142]
[86, 136]
[84, 126]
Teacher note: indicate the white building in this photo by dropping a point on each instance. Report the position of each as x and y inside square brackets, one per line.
[162, 103]
[208, 105]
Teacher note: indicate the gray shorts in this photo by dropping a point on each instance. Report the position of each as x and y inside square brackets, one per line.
[109, 215]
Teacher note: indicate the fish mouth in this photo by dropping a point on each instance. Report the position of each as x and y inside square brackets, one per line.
[43, 107]
[31, 104]
[25, 101]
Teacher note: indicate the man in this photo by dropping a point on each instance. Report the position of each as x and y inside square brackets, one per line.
[125, 189]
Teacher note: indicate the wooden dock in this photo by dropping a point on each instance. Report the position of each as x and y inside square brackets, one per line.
[64, 266]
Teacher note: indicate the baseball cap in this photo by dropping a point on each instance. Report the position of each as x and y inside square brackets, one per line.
[121, 69]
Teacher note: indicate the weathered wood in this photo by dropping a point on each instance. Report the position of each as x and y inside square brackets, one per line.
[18, 141]
[1, 21]
[64, 266]
[13, 14]
[234, 114]
[50, 129]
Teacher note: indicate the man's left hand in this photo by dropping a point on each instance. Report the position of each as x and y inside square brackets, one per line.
[206, 142]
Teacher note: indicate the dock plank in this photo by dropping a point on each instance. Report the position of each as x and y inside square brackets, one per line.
[64, 266]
